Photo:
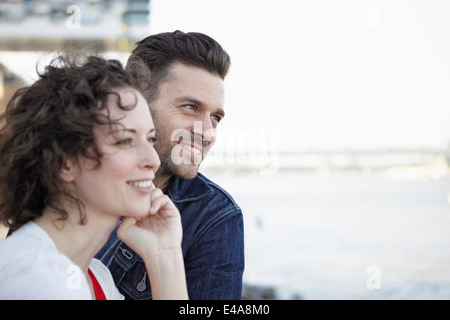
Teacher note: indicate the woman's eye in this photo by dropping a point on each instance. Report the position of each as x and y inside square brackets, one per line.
[152, 139]
[125, 141]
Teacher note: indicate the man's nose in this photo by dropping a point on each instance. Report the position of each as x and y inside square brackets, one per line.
[205, 129]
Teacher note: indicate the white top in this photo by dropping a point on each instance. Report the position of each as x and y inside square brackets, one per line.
[31, 267]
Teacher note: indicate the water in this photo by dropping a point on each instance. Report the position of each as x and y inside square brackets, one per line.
[344, 236]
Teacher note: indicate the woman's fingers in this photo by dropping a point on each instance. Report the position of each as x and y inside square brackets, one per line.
[159, 202]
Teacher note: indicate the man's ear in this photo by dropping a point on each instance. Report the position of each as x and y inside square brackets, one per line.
[67, 171]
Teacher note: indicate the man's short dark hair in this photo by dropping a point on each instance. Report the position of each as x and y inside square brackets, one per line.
[150, 61]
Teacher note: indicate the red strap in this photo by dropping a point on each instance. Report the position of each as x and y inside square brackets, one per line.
[98, 291]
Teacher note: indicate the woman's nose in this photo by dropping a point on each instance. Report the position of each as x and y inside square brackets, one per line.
[150, 159]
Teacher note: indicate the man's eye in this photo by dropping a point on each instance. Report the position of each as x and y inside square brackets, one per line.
[216, 119]
[191, 107]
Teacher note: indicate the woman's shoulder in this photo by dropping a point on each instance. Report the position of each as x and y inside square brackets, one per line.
[32, 268]
[30, 247]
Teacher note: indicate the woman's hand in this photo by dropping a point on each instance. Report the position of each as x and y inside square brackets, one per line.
[158, 233]
[156, 238]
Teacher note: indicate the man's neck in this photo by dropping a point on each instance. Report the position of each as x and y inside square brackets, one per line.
[161, 180]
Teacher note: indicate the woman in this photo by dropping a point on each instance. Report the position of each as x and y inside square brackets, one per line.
[76, 155]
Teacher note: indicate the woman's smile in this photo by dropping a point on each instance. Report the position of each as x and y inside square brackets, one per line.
[144, 186]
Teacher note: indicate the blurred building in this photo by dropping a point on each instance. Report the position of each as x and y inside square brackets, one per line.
[60, 25]
[9, 83]
[88, 26]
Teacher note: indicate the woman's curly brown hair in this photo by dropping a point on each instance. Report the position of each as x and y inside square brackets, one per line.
[47, 122]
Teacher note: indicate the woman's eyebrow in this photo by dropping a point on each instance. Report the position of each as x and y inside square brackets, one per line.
[131, 130]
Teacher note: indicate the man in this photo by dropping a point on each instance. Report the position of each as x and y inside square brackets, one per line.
[181, 75]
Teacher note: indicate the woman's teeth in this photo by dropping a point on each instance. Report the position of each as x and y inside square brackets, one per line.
[141, 184]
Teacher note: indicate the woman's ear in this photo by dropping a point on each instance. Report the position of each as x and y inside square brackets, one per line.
[66, 173]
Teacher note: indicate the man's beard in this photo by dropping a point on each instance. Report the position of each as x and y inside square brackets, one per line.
[168, 167]
[185, 171]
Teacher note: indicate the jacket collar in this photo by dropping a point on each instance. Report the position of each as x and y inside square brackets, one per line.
[181, 190]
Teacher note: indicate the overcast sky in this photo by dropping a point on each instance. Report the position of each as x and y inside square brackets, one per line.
[330, 74]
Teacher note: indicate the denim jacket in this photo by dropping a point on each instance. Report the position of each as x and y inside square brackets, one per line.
[213, 245]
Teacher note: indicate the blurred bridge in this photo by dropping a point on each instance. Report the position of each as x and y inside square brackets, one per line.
[274, 160]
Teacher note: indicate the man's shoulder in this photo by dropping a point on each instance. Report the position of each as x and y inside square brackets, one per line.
[211, 218]
[218, 191]
[201, 190]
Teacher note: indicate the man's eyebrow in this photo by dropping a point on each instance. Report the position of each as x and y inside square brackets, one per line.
[188, 99]
[220, 112]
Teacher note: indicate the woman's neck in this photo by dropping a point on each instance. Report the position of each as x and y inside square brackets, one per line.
[79, 242]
